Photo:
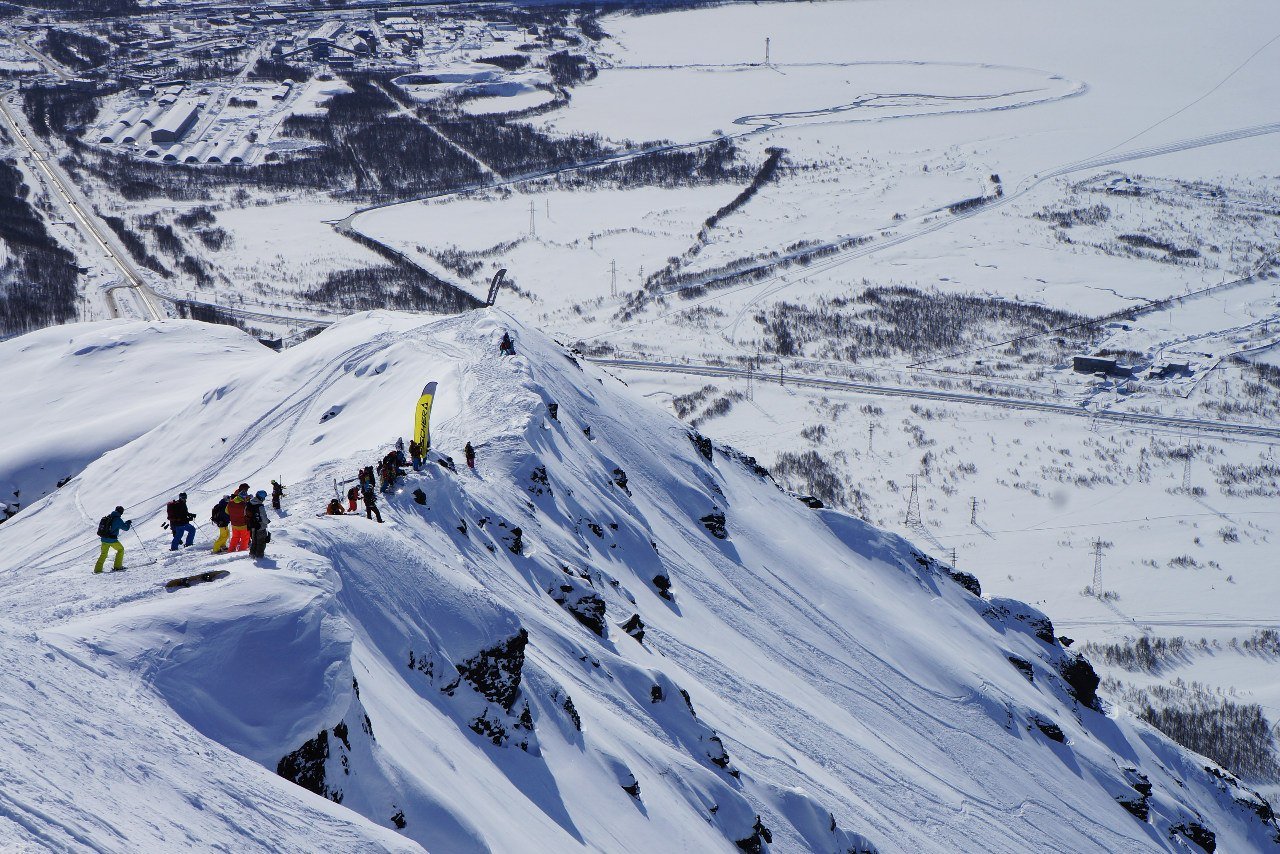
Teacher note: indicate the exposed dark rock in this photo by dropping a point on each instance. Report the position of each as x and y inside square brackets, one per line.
[1080, 676]
[967, 580]
[1024, 667]
[760, 836]
[688, 702]
[462, 527]
[663, 584]
[620, 480]
[447, 462]
[1065, 641]
[811, 501]
[1051, 730]
[596, 529]
[495, 672]
[586, 431]
[398, 820]
[368, 727]
[572, 711]
[633, 788]
[341, 733]
[423, 663]
[306, 767]
[419, 496]
[714, 523]
[634, 627]
[1197, 833]
[1137, 807]
[355, 687]
[749, 462]
[701, 444]
[586, 606]
[716, 752]
[539, 485]
[515, 541]
[656, 695]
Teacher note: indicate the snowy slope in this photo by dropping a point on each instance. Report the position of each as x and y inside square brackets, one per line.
[89, 388]
[807, 679]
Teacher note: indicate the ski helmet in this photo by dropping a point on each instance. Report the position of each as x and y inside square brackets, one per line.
[261, 493]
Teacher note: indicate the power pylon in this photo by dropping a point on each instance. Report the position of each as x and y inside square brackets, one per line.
[913, 504]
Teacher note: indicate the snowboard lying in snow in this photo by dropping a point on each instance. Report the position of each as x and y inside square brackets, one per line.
[198, 578]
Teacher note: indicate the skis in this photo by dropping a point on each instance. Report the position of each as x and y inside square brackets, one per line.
[198, 578]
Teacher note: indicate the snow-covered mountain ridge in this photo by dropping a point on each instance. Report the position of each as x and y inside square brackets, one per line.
[610, 636]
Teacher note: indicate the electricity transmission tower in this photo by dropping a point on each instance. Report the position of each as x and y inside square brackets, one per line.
[613, 278]
[913, 504]
[533, 230]
[1097, 568]
[1186, 471]
[973, 511]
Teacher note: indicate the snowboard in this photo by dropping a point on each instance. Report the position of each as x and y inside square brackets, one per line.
[199, 578]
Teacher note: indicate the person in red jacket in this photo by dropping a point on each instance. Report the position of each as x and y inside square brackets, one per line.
[353, 495]
[238, 511]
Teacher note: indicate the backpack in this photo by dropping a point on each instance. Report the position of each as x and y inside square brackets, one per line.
[106, 527]
[219, 515]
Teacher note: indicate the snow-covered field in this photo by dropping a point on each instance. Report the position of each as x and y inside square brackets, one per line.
[469, 673]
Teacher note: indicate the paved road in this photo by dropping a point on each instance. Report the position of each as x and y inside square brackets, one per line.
[810, 381]
[98, 234]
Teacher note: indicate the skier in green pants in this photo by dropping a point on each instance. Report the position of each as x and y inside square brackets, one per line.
[109, 532]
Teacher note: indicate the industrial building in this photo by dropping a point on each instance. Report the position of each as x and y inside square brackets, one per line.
[175, 123]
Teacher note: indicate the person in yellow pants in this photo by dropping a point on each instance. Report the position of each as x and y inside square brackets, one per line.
[109, 533]
[222, 522]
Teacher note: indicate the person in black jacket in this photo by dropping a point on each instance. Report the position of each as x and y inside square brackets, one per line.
[222, 522]
[180, 521]
[371, 504]
[277, 491]
[258, 521]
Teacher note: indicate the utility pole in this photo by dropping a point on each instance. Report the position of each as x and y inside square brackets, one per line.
[766, 50]
[953, 557]
[973, 511]
[533, 230]
[782, 376]
[913, 504]
[1097, 568]
[1186, 471]
[750, 367]
[871, 432]
[613, 278]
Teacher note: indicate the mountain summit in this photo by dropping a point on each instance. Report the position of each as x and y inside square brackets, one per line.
[611, 635]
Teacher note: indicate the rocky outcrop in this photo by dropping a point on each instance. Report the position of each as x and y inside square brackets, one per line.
[583, 604]
[306, 767]
[1196, 832]
[967, 580]
[714, 523]
[620, 480]
[1051, 730]
[634, 627]
[662, 584]
[701, 444]
[1080, 677]
[495, 672]
[1024, 667]
[760, 837]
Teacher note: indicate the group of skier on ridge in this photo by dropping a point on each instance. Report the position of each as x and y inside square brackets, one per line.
[241, 518]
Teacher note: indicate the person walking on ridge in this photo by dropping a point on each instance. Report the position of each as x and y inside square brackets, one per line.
[415, 454]
[109, 533]
[277, 492]
[221, 521]
[353, 495]
[180, 521]
[371, 504]
[506, 346]
[470, 454]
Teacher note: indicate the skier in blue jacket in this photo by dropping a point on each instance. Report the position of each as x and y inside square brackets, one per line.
[109, 533]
